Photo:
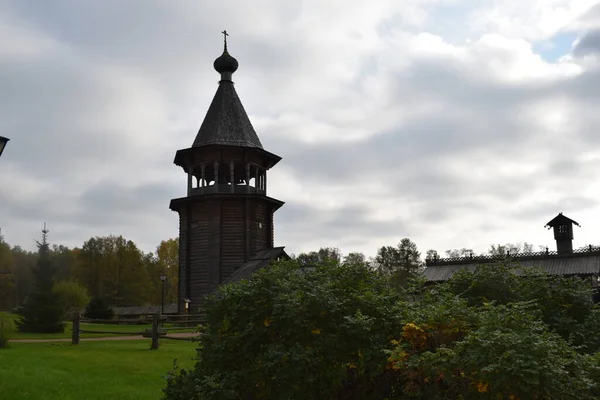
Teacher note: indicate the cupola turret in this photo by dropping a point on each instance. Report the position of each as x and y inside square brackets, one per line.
[563, 233]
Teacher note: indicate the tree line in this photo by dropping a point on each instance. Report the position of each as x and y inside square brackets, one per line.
[404, 260]
[108, 267]
[116, 270]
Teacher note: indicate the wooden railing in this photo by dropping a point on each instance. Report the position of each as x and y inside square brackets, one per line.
[225, 188]
[156, 331]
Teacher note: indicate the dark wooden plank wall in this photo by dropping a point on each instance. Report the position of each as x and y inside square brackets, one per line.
[232, 237]
[183, 218]
[218, 232]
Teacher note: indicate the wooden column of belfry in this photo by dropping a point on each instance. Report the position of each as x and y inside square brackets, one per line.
[222, 227]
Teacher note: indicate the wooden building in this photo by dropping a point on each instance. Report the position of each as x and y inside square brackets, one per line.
[226, 219]
[584, 262]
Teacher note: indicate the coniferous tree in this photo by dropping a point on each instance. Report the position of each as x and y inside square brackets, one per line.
[42, 310]
[402, 262]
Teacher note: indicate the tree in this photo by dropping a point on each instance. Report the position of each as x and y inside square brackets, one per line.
[324, 254]
[402, 262]
[167, 255]
[464, 252]
[73, 297]
[42, 311]
[355, 258]
[64, 260]
[114, 269]
[25, 262]
[431, 254]
[510, 248]
[7, 277]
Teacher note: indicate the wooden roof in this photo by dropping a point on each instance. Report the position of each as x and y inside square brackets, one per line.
[226, 121]
[581, 262]
[560, 219]
[260, 260]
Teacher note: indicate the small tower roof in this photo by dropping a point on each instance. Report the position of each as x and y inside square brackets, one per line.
[226, 121]
[560, 219]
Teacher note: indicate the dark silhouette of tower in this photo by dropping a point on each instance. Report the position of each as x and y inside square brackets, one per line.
[226, 218]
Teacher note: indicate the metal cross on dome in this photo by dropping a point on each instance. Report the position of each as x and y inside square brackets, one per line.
[225, 34]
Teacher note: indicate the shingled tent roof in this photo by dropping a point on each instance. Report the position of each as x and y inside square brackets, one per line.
[226, 121]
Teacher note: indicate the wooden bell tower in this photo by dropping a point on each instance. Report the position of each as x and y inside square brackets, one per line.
[226, 217]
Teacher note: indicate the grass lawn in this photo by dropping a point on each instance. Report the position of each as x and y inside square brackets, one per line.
[122, 329]
[107, 370]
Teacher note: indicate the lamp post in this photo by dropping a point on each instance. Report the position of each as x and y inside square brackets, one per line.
[163, 279]
[3, 142]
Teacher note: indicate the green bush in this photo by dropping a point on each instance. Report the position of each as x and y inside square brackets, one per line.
[73, 297]
[346, 332]
[7, 327]
[292, 333]
[508, 354]
[565, 303]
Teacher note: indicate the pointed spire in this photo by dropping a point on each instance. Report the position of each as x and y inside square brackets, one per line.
[226, 122]
[225, 64]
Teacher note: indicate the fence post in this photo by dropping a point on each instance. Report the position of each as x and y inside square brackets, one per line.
[76, 328]
[155, 322]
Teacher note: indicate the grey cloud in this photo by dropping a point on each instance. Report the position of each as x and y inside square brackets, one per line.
[62, 109]
[546, 209]
[333, 225]
[589, 44]
[51, 113]
[414, 160]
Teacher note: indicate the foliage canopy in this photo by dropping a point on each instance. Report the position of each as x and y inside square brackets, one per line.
[349, 332]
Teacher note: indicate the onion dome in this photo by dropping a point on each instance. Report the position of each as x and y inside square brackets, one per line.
[225, 64]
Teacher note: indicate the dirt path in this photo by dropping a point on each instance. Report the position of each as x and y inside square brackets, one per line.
[97, 339]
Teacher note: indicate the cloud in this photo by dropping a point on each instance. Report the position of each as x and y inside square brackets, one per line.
[589, 44]
[441, 121]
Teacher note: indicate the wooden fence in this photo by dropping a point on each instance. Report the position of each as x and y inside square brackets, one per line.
[161, 325]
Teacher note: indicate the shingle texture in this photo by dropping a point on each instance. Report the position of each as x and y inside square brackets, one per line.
[260, 260]
[226, 122]
[573, 265]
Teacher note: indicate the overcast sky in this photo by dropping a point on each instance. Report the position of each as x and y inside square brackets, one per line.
[454, 123]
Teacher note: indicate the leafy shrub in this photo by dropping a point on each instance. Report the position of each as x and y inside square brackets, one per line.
[7, 328]
[509, 354]
[72, 295]
[346, 332]
[565, 303]
[586, 337]
[99, 308]
[296, 333]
